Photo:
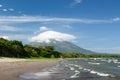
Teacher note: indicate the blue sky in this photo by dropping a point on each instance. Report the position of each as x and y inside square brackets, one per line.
[91, 24]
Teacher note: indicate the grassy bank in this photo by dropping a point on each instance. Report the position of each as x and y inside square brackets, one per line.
[41, 58]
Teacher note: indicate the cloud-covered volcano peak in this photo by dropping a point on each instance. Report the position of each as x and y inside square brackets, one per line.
[52, 35]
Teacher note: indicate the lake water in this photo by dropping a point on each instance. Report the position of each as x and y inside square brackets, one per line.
[79, 69]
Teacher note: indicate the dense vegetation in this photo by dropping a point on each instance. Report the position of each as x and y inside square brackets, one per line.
[81, 55]
[14, 48]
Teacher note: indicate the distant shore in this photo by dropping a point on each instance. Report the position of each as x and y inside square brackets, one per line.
[10, 69]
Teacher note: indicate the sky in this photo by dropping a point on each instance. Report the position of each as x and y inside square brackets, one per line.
[90, 24]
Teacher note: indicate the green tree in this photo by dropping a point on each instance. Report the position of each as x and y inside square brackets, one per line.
[31, 51]
[17, 49]
[49, 48]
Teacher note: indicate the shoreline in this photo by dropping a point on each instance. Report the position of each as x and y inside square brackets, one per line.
[10, 69]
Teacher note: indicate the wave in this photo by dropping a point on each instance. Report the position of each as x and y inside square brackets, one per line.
[118, 66]
[86, 69]
[80, 67]
[100, 74]
[76, 65]
[35, 75]
[106, 60]
[76, 74]
[93, 63]
[72, 68]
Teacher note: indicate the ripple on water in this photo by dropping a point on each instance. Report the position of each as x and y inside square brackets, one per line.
[93, 63]
[38, 75]
[76, 74]
[100, 74]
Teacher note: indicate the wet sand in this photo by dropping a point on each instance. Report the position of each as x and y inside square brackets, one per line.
[10, 69]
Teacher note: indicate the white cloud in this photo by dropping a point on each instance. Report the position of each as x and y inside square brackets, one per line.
[8, 28]
[21, 37]
[67, 26]
[4, 10]
[52, 35]
[1, 5]
[116, 19]
[18, 36]
[106, 50]
[24, 19]
[44, 28]
[75, 2]
[11, 9]
[5, 37]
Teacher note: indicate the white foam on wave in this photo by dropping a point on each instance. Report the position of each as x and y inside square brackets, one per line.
[109, 61]
[76, 74]
[76, 71]
[54, 69]
[35, 75]
[76, 65]
[104, 60]
[80, 67]
[115, 61]
[93, 63]
[103, 74]
[66, 65]
[71, 64]
[86, 69]
[100, 74]
[94, 58]
[93, 72]
[118, 62]
[72, 68]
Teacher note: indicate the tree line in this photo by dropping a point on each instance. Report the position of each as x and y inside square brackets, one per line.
[14, 48]
[81, 55]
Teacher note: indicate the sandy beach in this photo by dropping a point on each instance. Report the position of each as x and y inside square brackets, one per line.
[10, 69]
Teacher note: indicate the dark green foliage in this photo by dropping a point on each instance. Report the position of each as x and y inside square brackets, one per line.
[103, 56]
[56, 54]
[81, 55]
[4, 47]
[48, 51]
[73, 55]
[11, 48]
[49, 48]
[14, 48]
[31, 51]
[17, 49]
